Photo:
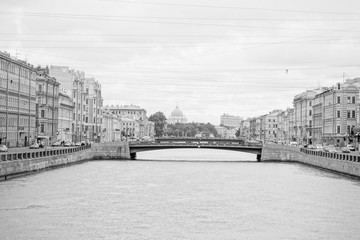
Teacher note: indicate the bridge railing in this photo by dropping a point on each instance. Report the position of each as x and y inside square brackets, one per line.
[195, 141]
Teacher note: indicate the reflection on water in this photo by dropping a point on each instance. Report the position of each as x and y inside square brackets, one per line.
[181, 200]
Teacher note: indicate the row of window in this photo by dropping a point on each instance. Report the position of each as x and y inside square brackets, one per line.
[350, 114]
[350, 100]
[14, 69]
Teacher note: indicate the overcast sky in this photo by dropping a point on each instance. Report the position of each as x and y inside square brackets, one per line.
[210, 57]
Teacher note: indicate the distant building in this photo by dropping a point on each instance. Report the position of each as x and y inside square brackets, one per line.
[47, 107]
[73, 81]
[17, 101]
[224, 132]
[176, 116]
[245, 129]
[93, 112]
[111, 127]
[66, 110]
[230, 121]
[303, 115]
[133, 120]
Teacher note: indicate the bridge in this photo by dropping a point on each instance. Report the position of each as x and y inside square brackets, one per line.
[203, 143]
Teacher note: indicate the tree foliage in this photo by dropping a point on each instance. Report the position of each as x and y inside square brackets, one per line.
[190, 129]
[237, 134]
[159, 120]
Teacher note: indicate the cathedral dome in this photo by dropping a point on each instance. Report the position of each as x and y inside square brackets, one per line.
[177, 112]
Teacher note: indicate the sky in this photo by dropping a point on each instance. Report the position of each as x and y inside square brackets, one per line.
[209, 57]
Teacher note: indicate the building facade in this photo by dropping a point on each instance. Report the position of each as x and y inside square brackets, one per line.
[93, 109]
[74, 81]
[133, 121]
[230, 121]
[66, 110]
[17, 101]
[47, 107]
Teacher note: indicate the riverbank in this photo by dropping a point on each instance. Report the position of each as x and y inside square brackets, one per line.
[337, 162]
[14, 164]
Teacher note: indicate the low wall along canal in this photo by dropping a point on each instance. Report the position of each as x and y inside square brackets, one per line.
[12, 164]
[338, 162]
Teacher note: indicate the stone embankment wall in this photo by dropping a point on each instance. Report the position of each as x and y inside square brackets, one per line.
[29, 161]
[338, 162]
[111, 150]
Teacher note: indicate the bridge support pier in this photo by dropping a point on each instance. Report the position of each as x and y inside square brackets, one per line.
[133, 156]
[258, 157]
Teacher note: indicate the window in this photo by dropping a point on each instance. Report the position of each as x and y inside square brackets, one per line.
[338, 100]
[348, 100]
[310, 112]
[338, 114]
[42, 113]
[310, 123]
[353, 114]
[42, 128]
[338, 85]
[337, 129]
[273, 120]
[353, 99]
[348, 114]
[348, 129]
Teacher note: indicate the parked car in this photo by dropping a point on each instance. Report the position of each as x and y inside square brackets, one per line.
[83, 143]
[78, 144]
[351, 147]
[3, 148]
[34, 146]
[330, 149]
[293, 144]
[56, 144]
[68, 144]
[319, 148]
[345, 150]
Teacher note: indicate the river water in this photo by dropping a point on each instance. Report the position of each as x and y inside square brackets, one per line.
[181, 194]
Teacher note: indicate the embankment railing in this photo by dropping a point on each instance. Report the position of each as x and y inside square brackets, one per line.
[338, 156]
[31, 154]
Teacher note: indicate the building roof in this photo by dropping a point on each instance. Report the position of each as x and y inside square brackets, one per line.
[177, 113]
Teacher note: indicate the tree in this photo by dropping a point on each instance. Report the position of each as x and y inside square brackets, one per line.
[159, 120]
[190, 129]
[237, 134]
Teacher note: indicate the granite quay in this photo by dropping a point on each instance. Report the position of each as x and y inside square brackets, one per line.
[338, 162]
[18, 163]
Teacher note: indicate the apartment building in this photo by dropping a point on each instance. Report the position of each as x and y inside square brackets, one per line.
[17, 101]
[47, 107]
